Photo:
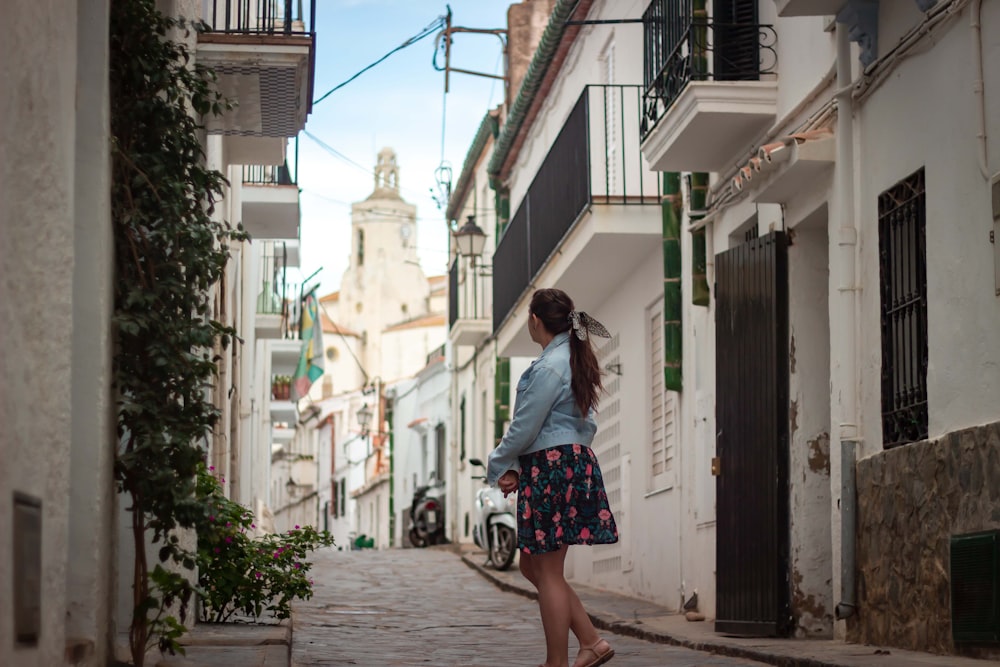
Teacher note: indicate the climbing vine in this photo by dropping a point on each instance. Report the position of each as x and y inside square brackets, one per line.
[170, 252]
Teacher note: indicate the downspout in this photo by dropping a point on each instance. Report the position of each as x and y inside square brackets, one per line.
[977, 84]
[672, 208]
[847, 242]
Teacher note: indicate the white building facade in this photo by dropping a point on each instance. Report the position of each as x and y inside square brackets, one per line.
[838, 294]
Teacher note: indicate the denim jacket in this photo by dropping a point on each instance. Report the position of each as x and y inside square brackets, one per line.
[545, 412]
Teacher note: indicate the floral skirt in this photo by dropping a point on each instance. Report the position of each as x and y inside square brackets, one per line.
[561, 500]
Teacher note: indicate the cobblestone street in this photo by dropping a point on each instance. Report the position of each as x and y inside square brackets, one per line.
[426, 607]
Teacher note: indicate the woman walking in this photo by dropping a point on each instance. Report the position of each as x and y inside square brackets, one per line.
[545, 456]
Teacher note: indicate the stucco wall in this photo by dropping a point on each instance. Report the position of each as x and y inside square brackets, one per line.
[38, 125]
[937, 131]
[911, 500]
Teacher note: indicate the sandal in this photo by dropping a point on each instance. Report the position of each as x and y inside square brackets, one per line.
[600, 657]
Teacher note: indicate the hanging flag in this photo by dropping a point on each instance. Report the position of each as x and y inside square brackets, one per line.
[311, 362]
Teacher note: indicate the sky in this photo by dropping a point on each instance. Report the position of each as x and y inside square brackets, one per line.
[400, 104]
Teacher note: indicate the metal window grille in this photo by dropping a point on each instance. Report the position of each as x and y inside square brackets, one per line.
[903, 269]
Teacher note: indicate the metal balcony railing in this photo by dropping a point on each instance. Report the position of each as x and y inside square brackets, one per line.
[595, 160]
[453, 293]
[260, 17]
[681, 47]
[281, 174]
[278, 296]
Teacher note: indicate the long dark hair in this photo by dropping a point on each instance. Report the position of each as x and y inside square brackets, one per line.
[552, 307]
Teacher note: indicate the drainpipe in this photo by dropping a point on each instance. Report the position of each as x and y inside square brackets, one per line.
[671, 207]
[977, 84]
[847, 242]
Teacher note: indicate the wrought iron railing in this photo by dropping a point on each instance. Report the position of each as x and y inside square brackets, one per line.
[903, 282]
[595, 160]
[281, 174]
[684, 45]
[268, 17]
[453, 293]
[278, 296]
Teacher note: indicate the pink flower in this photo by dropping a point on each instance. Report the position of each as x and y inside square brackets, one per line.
[569, 473]
[277, 553]
[253, 525]
[229, 524]
[211, 518]
[552, 455]
[571, 512]
[296, 526]
[527, 511]
[585, 533]
[569, 493]
[257, 574]
[577, 449]
[217, 549]
[298, 566]
[229, 540]
[590, 470]
[534, 471]
[604, 515]
[540, 535]
[559, 532]
[211, 468]
[548, 490]
[556, 518]
[527, 492]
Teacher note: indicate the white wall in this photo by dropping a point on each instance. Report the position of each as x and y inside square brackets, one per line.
[937, 132]
[53, 200]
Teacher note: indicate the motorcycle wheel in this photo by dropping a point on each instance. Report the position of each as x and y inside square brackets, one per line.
[416, 540]
[503, 547]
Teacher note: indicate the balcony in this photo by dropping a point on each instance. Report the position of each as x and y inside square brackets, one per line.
[711, 84]
[276, 297]
[809, 7]
[590, 215]
[283, 356]
[468, 323]
[263, 52]
[271, 202]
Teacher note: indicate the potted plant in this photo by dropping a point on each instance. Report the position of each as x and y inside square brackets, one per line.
[281, 387]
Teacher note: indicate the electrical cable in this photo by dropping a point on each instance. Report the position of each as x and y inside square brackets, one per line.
[337, 154]
[426, 32]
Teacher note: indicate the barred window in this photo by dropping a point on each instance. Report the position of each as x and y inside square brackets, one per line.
[902, 214]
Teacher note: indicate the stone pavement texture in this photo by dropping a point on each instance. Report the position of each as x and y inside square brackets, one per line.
[428, 607]
[424, 607]
[639, 618]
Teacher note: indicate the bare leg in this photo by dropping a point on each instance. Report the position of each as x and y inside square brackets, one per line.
[560, 607]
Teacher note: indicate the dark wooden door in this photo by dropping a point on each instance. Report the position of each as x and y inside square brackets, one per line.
[752, 562]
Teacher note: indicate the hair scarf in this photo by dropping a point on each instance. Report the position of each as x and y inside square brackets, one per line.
[584, 325]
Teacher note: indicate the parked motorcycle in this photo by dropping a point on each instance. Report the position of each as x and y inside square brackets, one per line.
[427, 516]
[495, 530]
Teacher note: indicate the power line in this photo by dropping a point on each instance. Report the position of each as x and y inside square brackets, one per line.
[426, 32]
[337, 154]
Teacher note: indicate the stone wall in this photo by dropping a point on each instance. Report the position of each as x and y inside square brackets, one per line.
[911, 500]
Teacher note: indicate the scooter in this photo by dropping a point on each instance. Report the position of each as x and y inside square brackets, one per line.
[427, 517]
[495, 530]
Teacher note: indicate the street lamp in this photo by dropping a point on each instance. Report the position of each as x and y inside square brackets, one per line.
[364, 417]
[471, 240]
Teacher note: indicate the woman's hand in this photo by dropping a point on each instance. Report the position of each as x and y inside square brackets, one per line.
[508, 482]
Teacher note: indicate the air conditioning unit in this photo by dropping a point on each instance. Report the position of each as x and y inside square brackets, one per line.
[975, 587]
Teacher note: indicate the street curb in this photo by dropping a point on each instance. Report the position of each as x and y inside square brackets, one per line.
[610, 623]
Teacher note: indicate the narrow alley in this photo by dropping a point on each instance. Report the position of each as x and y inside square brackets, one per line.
[426, 607]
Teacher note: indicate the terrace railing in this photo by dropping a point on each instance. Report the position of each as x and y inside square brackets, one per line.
[683, 45]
